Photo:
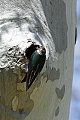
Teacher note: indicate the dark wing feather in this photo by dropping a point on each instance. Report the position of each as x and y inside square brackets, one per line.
[37, 70]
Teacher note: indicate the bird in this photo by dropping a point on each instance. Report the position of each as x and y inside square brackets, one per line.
[35, 66]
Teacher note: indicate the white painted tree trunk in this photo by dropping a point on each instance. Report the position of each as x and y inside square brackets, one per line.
[50, 23]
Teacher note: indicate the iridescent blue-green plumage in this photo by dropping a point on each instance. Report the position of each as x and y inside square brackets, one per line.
[35, 66]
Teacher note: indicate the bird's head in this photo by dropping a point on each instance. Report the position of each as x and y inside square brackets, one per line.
[41, 50]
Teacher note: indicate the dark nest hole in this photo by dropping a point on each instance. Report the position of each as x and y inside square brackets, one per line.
[30, 50]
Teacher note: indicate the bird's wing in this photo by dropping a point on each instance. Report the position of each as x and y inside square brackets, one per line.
[37, 70]
[32, 80]
[33, 76]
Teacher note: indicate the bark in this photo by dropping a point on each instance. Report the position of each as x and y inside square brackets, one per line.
[50, 23]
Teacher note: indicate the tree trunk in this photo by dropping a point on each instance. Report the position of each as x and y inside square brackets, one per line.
[48, 23]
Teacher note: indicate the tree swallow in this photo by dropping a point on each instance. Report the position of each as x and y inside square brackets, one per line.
[35, 66]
